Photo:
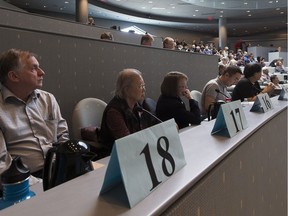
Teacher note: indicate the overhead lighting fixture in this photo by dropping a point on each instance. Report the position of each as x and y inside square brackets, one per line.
[66, 2]
[157, 8]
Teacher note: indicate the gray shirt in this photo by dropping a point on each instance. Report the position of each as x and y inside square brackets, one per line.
[28, 129]
[209, 90]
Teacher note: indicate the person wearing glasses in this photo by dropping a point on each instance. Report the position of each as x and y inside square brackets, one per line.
[170, 104]
[121, 116]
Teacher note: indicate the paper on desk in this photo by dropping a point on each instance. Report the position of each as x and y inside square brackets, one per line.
[96, 165]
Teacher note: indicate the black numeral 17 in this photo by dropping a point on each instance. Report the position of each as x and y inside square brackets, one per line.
[237, 111]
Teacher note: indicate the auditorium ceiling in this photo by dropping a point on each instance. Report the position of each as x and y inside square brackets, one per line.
[243, 17]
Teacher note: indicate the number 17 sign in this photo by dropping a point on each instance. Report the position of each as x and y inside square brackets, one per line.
[230, 119]
[144, 160]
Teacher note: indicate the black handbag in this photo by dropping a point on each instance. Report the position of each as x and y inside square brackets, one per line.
[213, 110]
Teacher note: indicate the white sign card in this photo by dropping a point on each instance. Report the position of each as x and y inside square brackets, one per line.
[283, 94]
[144, 160]
[262, 103]
[230, 120]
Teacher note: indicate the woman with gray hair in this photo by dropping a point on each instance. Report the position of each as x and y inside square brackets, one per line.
[170, 104]
[120, 117]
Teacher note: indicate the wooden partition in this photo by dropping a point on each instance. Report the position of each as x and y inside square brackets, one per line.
[78, 66]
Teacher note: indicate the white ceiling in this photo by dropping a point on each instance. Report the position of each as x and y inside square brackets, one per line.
[244, 17]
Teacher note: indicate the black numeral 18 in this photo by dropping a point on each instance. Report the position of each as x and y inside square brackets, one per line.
[166, 156]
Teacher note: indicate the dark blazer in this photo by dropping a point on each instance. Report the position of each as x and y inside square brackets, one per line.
[173, 107]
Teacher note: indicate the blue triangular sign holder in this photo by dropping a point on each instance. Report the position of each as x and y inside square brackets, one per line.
[220, 126]
[256, 107]
[283, 95]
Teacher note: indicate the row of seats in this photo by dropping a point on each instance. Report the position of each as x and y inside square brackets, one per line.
[88, 112]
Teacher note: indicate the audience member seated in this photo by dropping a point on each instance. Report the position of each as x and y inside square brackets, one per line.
[147, 40]
[265, 77]
[279, 67]
[261, 61]
[107, 36]
[248, 59]
[169, 43]
[121, 116]
[170, 104]
[90, 21]
[248, 87]
[224, 61]
[30, 119]
[275, 80]
[216, 89]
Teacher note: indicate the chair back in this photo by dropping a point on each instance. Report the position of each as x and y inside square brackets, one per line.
[87, 112]
[196, 95]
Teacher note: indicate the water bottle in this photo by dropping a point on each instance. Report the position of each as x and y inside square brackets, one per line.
[15, 183]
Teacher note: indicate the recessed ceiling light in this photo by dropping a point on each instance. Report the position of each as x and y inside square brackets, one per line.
[281, 12]
[277, 8]
[249, 15]
[150, 2]
[245, 3]
[66, 2]
[270, 2]
[44, 6]
[173, 7]
[248, 11]
[196, 10]
[157, 8]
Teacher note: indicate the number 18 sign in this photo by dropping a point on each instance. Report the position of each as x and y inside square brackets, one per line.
[230, 119]
[144, 160]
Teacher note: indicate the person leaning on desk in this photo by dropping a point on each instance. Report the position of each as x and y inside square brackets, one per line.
[30, 118]
[248, 87]
[170, 104]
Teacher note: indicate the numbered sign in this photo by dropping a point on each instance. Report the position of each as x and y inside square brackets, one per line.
[262, 103]
[230, 120]
[144, 160]
[283, 94]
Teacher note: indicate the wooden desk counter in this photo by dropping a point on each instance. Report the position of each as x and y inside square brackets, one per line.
[208, 185]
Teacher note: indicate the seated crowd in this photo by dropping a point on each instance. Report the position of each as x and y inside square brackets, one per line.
[35, 120]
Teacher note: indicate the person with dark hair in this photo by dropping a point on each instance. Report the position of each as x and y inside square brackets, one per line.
[275, 80]
[147, 40]
[107, 36]
[30, 119]
[216, 89]
[248, 87]
[170, 104]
